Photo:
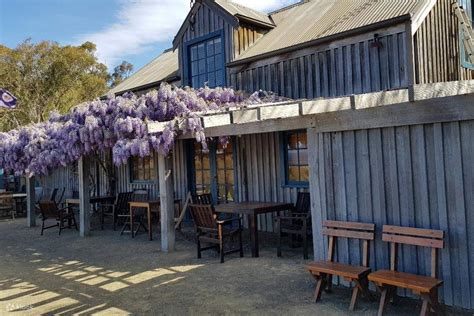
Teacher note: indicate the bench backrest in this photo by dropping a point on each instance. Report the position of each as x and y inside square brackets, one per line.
[416, 237]
[354, 230]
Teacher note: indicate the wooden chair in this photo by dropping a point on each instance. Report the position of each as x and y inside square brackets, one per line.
[297, 223]
[138, 195]
[118, 208]
[59, 199]
[52, 197]
[50, 210]
[205, 198]
[213, 231]
[426, 286]
[323, 271]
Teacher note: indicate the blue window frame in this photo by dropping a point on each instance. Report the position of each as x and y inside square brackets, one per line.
[205, 61]
[295, 158]
[142, 170]
[465, 61]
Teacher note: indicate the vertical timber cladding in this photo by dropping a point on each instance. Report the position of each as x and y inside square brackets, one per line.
[359, 64]
[419, 175]
[260, 175]
[236, 39]
[437, 55]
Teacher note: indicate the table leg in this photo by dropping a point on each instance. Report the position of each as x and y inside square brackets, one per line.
[253, 225]
[131, 221]
[150, 234]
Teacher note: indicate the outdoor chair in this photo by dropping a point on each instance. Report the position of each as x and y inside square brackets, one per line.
[210, 230]
[53, 195]
[7, 205]
[323, 271]
[297, 223]
[138, 195]
[59, 198]
[50, 210]
[118, 209]
[205, 198]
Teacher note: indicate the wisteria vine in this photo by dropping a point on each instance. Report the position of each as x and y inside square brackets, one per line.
[117, 123]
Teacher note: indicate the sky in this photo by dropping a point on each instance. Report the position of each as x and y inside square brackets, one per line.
[131, 30]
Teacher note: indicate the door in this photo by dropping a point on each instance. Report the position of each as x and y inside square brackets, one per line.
[214, 171]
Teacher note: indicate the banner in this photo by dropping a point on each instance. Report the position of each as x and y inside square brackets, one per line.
[7, 100]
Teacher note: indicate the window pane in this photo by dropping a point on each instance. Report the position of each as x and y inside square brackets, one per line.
[202, 80]
[293, 174]
[220, 161]
[141, 174]
[303, 157]
[302, 140]
[201, 51]
[229, 160]
[210, 48]
[206, 177]
[219, 62]
[210, 64]
[217, 45]
[292, 141]
[212, 80]
[197, 162]
[229, 175]
[219, 78]
[194, 53]
[202, 66]
[205, 162]
[198, 177]
[304, 173]
[221, 176]
[196, 81]
[194, 68]
[293, 157]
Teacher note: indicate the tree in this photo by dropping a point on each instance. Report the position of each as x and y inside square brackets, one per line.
[47, 77]
[121, 72]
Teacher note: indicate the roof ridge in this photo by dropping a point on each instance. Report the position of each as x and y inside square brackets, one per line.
[291, 6]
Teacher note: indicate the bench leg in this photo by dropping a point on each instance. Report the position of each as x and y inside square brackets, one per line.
[320, 285]
[387, 292]
[426, 306]
[360, 287]
[355, 294]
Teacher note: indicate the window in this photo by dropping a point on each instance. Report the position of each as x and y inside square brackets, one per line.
[214, 171]
[142, 169]
[295, 150]
[466, 61]
[206, 62]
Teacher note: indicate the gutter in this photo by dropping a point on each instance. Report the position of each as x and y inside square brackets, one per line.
[146, 86]
[322, 40]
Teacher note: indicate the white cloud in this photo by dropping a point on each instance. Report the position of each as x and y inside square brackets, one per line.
[141, 24]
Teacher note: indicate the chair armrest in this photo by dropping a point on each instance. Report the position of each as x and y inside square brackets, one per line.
[226, 221]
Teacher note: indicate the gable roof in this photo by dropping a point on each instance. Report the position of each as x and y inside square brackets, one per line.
[162, 68]
[317, 19]
[241, 11]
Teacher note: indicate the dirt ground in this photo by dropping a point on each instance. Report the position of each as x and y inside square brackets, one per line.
[112, 274]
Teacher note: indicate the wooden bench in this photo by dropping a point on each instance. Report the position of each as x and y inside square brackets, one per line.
[426, 286]
[323, 271]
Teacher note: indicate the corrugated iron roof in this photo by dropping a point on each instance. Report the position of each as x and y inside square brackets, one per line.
[321, 18]
[159, 69]
[237, 9]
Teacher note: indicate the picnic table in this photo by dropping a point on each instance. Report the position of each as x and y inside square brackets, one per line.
[252, 210]
[17, 200]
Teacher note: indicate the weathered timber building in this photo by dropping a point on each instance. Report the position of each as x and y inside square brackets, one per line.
[381, 130]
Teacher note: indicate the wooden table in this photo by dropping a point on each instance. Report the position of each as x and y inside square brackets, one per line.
[252, 210]
[150, 206]
[16, 197]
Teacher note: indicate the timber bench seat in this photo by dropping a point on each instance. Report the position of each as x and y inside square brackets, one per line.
[323, 271]
[426, 286]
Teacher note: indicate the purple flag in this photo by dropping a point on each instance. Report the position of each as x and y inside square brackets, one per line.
[7, 100]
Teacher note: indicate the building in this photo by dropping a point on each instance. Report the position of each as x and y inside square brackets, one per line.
[386, 135]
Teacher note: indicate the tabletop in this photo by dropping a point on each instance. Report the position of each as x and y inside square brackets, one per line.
[143, 203]
[252, 207]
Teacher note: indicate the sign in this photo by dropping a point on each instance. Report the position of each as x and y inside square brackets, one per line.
[7, 100]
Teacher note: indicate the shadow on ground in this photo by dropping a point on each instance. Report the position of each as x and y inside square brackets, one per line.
[112, 274]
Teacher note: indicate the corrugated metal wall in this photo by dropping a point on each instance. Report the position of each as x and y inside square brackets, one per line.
[437, 56]
[420, 175]
[358, 67]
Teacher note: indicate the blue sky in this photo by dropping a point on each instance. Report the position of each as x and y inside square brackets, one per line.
[132, 30]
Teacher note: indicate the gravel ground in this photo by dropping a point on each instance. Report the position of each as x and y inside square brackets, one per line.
[112, 274]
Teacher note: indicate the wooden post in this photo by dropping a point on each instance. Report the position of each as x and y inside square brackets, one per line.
[165, 167]
[84, 198]
[30, 201]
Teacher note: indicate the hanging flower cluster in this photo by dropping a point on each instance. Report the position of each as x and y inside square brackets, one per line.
[117, 123]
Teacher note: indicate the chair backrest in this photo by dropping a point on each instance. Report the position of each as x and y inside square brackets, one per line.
[354, 230]
[38, 194]
[205, 198]
[53, 194]
[140, 195]
[203, 216]
[48, 209]
[303, 203]
[59, 198]
[416, 237]
[121, 203]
